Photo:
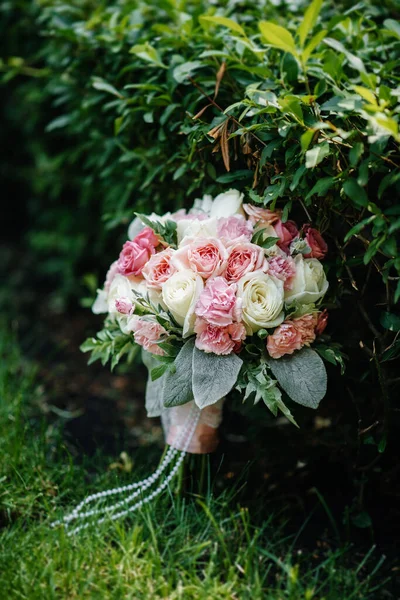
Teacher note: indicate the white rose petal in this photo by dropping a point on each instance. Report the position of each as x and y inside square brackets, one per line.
[100, 305]
[262, 300]
[227, 204]
[309, 284]
[180, 294]
[194, 228]
[203, 205]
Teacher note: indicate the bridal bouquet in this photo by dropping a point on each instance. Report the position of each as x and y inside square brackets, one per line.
[223, 296]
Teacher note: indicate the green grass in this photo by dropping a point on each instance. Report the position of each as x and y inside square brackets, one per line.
[188, 547]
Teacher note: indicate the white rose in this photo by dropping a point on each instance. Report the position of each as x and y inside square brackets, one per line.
[309, 284]
[227, 204]
[262, 300]
[180, 294]
[194, 228]
[203, 205]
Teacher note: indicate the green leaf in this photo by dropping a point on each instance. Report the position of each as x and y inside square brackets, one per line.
[309, 19]
[393, 26]
[355, 192]
[313, 43]
[356, 153]
[147, 53]
[358, 227]
[316, 155]
[355, 62]
[229, 23]
[366, 94]
[277, 36]
[390, 321]
[100, 84]
[185, 70]
[302, 375]
[177, 387]
[321, 187]
[158, 372]
[213, 376]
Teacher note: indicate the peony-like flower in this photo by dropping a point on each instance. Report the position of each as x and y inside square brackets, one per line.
[285, 340]
[180, 294]
[111, 273]
[236, 226]
[207, 257]
[243, 258]
[159, 268]
[134, 255]
[261, 216]
[219, 340]
[322, 322]
[306, 325]
[196, 228]
[286, 233]
[227, 204]
[309, 284]
[147, 333]
[283, 268]
[316, 242]
[262, 300]
[218, 304]
[123, 305]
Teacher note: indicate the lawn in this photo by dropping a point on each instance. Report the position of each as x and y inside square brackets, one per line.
[189, 545]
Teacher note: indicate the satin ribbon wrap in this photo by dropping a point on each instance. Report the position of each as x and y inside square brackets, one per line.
[205, 438]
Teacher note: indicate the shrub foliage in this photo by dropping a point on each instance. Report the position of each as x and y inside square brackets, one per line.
[130, 106]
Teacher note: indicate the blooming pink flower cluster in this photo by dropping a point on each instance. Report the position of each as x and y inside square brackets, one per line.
[216, 284]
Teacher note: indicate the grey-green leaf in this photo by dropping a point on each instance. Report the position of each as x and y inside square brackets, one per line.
[213, 376]
[302, 375]
[178, 385]
[154, 389]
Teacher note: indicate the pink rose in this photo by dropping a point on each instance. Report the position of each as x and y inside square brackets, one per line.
[134, 255]
[204, 256]
[123, 306]
[111, 273]
[315, 241]
[285, 340]
[261, 216]
[322, 322]
[306, 325]
[132, 259]
[219, 340]
[147, 334]
[234, 227]
[283, 268]
[147, 238]
[218, 304]
[158, 269]
[286, 232]
[243, 258]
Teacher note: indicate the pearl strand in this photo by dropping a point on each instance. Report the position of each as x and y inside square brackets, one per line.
[139, 486]
[156, 492]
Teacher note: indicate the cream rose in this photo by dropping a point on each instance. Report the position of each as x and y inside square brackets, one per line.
[309, 284]
[180, 294]
[262, 300]
[196, 228]
[227, 204]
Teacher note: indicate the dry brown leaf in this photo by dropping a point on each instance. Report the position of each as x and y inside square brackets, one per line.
[220, 75]
[198, 115]
[225, 145]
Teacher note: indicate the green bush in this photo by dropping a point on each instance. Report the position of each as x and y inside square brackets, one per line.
[141, 106]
